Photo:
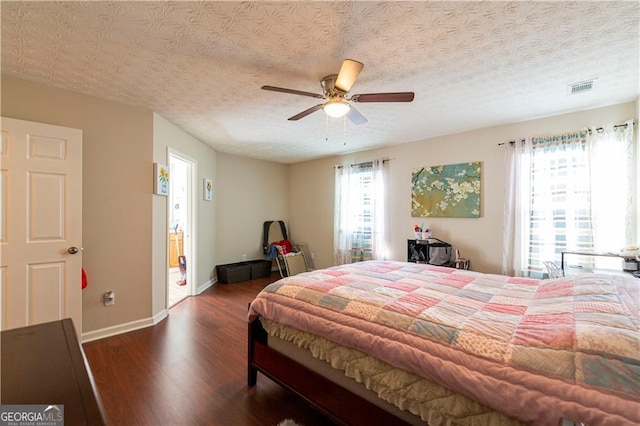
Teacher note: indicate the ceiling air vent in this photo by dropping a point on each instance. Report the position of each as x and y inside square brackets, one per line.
[581, 87]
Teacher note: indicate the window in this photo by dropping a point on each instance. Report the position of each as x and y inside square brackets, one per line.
[560, 213]
[359, 212]
[569, 192]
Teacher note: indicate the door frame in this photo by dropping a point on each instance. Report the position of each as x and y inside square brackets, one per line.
[190, 231]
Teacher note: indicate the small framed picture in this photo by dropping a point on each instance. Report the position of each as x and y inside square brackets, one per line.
[161, 181]
[207, 189]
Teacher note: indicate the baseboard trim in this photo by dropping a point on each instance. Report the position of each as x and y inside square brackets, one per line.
[160, 316]
[121, 328]
[136, 325]
[203, 287]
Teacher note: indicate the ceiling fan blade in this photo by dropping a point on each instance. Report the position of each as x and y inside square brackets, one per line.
[348, 73]
[305, 112]
[292, 91]
[355, 116]
[384, 97]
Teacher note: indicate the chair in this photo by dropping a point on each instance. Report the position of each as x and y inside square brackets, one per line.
[289, 257]
[294, 263]
[461, 263]
[553, 270]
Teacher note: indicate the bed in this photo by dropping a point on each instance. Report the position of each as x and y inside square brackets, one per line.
[458, 347]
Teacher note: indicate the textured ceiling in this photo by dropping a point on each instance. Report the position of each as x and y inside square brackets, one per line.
[201, 64]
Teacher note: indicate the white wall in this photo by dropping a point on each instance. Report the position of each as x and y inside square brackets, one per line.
[248, 192]
[167, 136]
[311, 183]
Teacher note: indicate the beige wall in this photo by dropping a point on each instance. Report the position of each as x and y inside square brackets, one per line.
[248, 192]
[124, 224]
[311, 187]
[167, 136]
[311, 208]
[117, 188]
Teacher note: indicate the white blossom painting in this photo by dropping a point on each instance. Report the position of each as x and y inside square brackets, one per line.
[452, 190]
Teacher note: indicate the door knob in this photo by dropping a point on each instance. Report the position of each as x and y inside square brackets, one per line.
[73, 250]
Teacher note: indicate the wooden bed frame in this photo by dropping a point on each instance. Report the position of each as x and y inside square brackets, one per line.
[340, 405]
[335, 402]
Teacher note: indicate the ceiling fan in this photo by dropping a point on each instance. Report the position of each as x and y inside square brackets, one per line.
[335, 88]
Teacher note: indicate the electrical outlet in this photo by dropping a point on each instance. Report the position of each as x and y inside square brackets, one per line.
[313, 255]
[109, 298]
[244, 257]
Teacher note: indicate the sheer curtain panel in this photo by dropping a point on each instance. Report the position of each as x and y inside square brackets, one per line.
[516, 206]
[572, 191]
[359, 215]
[612, 182]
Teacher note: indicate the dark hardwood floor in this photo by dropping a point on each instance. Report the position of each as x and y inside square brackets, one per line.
[190, 369]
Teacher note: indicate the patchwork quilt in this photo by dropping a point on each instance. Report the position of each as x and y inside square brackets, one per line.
[536, 350]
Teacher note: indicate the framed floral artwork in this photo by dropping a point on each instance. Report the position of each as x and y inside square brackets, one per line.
[207, 189]
[161, 181]
[451, 190]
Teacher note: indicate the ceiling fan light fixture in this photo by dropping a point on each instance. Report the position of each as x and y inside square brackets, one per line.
[336, 108]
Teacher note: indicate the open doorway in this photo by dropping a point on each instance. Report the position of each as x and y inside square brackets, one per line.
[180, 215]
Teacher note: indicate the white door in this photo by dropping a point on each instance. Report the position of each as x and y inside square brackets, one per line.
[40, 224]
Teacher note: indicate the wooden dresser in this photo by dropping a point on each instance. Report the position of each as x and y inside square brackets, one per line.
[45, 364]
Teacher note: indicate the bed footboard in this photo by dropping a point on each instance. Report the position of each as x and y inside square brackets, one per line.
[257, 335]
[332, 400]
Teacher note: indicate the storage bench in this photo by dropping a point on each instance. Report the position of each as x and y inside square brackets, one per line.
[243, 271]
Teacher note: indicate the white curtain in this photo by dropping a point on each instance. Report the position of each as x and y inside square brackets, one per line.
[359, 212]
[560, 214]
[568, 192]
[612, 177]
[516, 206]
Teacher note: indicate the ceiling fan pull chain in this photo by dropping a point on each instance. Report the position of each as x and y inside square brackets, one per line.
[344, 130]
[326, 131]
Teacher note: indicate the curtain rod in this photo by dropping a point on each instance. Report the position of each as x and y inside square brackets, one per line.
[510, 142]
[384, 160]
[598, 129]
